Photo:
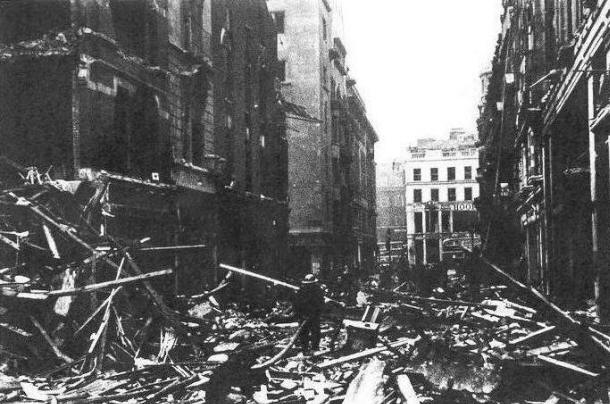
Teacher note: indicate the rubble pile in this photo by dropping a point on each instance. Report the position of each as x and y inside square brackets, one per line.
[83, 321]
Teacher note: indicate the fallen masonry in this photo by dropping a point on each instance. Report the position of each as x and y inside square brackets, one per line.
[83, 320]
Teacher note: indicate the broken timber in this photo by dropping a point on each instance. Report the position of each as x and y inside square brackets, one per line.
[367, 387]
[103, 285]
[258, 276]
[566, 321]
[406, 389]
[365, 353]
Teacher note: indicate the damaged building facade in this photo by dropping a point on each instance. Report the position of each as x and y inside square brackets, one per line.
[331, 157]
[544, 149]
[391, 212]
[168, 109]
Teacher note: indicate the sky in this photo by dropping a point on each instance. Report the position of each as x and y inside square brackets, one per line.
[417, 64]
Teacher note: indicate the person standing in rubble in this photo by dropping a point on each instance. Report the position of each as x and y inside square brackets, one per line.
[308, 306]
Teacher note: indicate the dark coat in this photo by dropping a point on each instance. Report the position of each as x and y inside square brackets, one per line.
[309, 301]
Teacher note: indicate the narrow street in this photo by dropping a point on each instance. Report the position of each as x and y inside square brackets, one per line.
[115, 338]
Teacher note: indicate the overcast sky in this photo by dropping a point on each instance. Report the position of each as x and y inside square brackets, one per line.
[417, 64]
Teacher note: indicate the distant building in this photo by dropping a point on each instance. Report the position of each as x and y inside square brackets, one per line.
[331, 159]
[440, 192]
[391, 211]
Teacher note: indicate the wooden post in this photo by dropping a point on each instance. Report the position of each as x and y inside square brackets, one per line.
[593, 184]
[74, 22]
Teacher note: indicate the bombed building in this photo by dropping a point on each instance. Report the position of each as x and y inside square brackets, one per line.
[171, 105]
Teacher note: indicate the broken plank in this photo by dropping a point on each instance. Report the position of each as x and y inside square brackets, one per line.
[445, 301]
[173, 248]
[566, 365]
[51, 241]
[532, 335]
[50, 341]
[406, 389]
[258, 276]
[108, 284]
[165, 310]
[9, 242]
[178, 384]
[366, 353]
[553, 348]
[97, 311]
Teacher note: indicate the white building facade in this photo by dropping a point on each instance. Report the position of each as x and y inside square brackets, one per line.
[440, 190]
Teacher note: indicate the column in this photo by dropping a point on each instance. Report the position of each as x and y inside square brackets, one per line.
[451, 221]
[425, 239]
[440, 235]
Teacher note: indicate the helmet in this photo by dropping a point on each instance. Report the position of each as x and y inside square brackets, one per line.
[309, 278]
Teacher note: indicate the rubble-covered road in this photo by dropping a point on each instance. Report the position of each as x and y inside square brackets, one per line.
[82, 321]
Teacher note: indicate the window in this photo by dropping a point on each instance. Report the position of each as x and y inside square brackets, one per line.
[324, 36]
[450, 173]
[467, 173]
[451, 194]
[434, 194]
[417, 174]
[417, 195]
[419, 227]
[434, 174]
[279, 18]
[281, 71]
[468, 194]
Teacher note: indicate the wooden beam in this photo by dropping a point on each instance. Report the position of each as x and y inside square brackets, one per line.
[51, 343]
[108, 284]
[365, 353]
[173, 248]
[406, 389]
[258, 276]
[531, 335]
[566, 365]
